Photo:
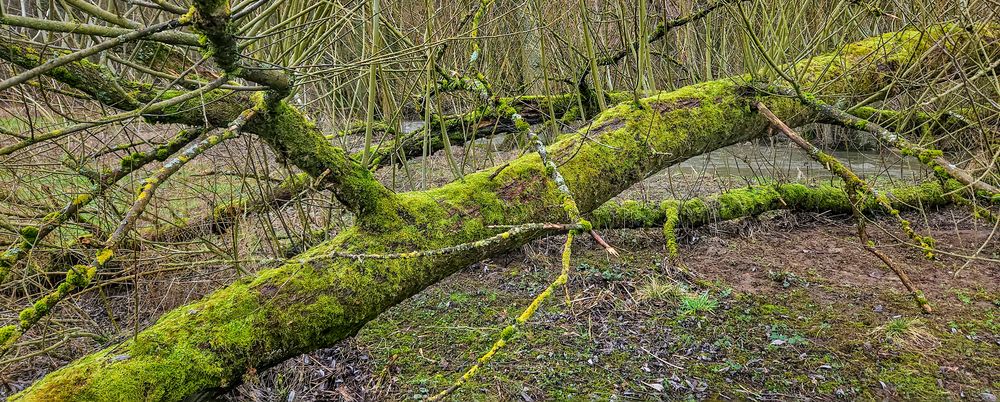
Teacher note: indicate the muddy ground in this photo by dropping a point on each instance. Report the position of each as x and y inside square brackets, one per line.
[782, 307]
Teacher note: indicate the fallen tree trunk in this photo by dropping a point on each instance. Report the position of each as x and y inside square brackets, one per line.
[752, 201]
[208, 346]
[483, 122]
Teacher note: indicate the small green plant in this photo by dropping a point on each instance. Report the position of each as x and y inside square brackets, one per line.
[606, 274]
[728, 366]
[896, 328]
[910, 333]
[780, 335]
[963, 297]
[698, 304]
[992, 322]
[656, 289]
[458, 297]
[611, 276]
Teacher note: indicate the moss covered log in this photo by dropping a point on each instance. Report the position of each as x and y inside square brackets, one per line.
[753, 201]
[483, 122]
[210, 345]
[95, 80]
[910, 121]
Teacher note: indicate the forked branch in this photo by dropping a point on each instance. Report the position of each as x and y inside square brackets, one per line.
[857, 188]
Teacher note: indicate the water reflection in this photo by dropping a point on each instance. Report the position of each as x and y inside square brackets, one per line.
[749, 163]
[790, 162]
[746, 164]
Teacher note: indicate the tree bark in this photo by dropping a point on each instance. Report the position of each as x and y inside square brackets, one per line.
[208, 346]
[531, 46]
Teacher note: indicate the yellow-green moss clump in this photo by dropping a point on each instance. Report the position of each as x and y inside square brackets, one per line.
[751, 201]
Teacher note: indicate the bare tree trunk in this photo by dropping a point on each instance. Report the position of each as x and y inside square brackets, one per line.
[531, 46]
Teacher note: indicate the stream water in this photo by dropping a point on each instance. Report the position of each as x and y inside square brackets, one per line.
[742, 164]
[789, 162]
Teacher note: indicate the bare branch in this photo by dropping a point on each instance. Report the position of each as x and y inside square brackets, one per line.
[171, 37]
[84, 53]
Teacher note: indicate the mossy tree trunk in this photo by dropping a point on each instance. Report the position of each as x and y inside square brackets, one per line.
[208, 346]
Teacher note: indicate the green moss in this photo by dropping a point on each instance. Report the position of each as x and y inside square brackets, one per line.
[572, 114]
[27, 317]
[637, 212]
[29, 233]
[672, 212]
[746, 202]
[104, 256]
[79, 275]
[187, 17]
[131, 160]
[7, 333]
[521, 125]
[695, 210]
[912, 379]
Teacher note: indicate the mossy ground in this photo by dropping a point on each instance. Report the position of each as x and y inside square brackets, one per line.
[783, 308]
